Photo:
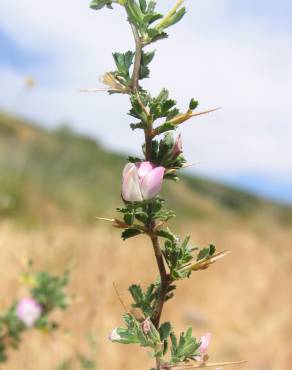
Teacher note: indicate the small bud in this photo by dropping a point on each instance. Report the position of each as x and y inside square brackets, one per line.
[28, 311]
[193, 104]
[177, 149]
[146, 326]
[114, 335]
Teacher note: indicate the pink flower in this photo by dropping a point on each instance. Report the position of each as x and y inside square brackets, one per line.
[28, 311]
[141, 181]
[114, 336]
[204, 342]
[177, 149]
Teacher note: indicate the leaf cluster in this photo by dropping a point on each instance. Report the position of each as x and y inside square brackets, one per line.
[177, 255]
[143, 14]
[146, 302]
[159, 340]
[150, 24]
[180, 257]
[148, 109]
[138, 216]
[185, 348]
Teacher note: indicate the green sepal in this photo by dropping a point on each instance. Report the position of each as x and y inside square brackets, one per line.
[129, 218]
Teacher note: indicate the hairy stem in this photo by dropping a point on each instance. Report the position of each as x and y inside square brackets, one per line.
[138, 58]
[164, 281]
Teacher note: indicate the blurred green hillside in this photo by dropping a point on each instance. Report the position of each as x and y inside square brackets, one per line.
[51, 176]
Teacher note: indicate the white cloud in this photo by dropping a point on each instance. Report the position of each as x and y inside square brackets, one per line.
[241, 64]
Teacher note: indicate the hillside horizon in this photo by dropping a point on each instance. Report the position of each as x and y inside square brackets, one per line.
[48, 172]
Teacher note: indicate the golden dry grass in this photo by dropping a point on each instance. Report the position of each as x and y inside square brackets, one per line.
[244, 300]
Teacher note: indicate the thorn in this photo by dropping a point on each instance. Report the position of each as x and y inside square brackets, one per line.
[105, 219]
[119, 297]
[205, 112]
[93, 90]
[204, 365]
[187, 165]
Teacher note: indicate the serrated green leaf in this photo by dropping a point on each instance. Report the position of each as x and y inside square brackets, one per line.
[136, 293]
[130, 233]
[165, 330]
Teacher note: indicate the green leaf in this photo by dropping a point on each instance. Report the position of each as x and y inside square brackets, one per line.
[124, 62]
[136, 293]
[126, 336]
[141, 216]
[167, 234]
[171, 20]
[130, 233]
[165, 127]
[165, 330]
[134, 12]
[143, 5]
[206, 252]
[185, 349]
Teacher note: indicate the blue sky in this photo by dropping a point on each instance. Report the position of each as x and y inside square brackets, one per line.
[234, 54]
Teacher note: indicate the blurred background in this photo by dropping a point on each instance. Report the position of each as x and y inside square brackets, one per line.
[62, 152]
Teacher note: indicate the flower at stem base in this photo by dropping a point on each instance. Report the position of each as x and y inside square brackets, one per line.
[141, 181]
[28, 311]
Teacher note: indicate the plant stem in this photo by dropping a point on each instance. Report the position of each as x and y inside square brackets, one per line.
[165, 281]
[138, 58]
[164, 278]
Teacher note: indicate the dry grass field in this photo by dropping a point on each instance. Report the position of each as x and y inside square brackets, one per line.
[244, 300]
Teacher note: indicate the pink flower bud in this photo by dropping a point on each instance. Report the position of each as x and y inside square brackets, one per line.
[141, 181]
[114, 336]
[28, 311]
[146, 326]
[177, 149]
[204, 342]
